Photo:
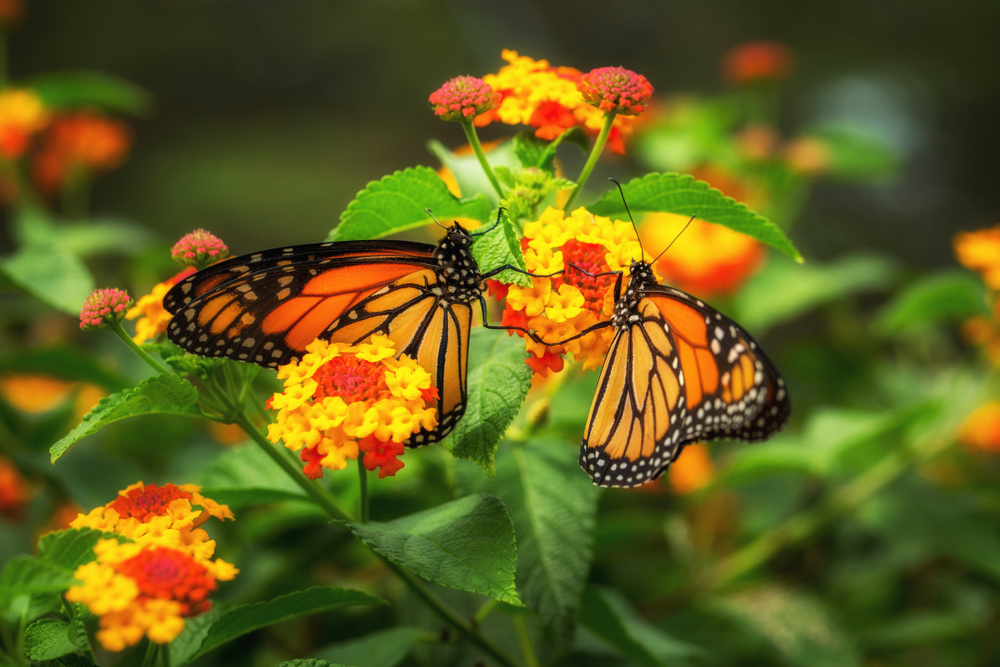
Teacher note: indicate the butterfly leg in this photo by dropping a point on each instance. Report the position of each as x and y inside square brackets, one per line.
[510, 267]
[486, 325]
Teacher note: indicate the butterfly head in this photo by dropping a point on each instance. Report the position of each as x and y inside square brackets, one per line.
[640, 272]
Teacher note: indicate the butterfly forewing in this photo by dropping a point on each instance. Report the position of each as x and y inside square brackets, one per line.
[264, 308]
[678, 372]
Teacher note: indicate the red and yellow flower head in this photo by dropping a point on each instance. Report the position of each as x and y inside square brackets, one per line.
[22, 114]
[341, 399]
[980, 251]
[754, 62]
[534, 93]
[145, 589]
[13, 490]
[168, 515]
[981, 429]
[706, 259]
[153, 317]
[463, 98]
[559, 307]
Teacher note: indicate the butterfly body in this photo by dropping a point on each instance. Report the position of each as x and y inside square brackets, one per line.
[677, 371]
[266, 307]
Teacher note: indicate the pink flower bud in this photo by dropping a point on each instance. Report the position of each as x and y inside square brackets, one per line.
[199, 249]
[463, 98]
[615, 89]
[103, 308]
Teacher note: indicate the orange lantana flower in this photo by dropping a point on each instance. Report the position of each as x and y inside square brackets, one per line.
[153, 317]
[80, 141]
[981, 430]
[692, 471]
[980, 251]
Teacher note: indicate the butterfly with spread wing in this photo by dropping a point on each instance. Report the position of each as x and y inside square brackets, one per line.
[265, 307]
[677, 371]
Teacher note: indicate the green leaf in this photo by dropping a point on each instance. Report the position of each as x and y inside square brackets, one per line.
[163, 394]
[683, 195]
[97, 237]
[50, 638]
[243, 476]
[398, 202]
[63, 362]
[27, 575]
[385, 648]
[799, 627]
[468, 173]
[185, 646]
[234, 622]
[499, 381]
[783, 291]
[43, 267]
[466, 544]
[499, 248]
[85, 89]
[553, 508]
[310, 662]
[949, 296]
[71, 548]
[608, 615]
[535, 152]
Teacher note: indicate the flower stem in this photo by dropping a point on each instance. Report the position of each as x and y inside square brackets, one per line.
[525, 642]
[595, 153]
[363, 481]
[447, 614]
[321, 496]
[147, 660]
[153, 363]
[470, 133]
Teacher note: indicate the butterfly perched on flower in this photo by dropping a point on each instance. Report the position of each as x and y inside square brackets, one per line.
[677, 371]
[265, 307]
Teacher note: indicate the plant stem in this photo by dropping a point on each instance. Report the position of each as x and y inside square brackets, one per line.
[363, 481]
[470, 133]
[147, 660]
[799, 528]
[595, 153]
[484, 611]
[153, 363]
[525, 642]
[321, 496]
[448, 615]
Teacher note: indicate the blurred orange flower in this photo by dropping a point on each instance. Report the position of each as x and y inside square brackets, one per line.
[33, 392]
[981, 430]
[13, 490]
[692, 471]
[534, 93]
[12, 12]
[807, 155]
[22, 114]
[980, 251]
[82, 140]
[707, 259]
[757, 61]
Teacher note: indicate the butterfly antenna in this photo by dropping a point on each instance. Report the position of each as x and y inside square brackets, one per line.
[435, 219]
[494, 226]
[631, 219]
[675, 239]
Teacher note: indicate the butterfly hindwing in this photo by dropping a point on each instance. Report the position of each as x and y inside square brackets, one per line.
[680, 372]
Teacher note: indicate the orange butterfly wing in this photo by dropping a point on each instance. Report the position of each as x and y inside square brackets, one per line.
[264, 308]
[680, 373]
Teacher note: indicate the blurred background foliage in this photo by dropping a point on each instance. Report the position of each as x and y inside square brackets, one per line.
[866, 534]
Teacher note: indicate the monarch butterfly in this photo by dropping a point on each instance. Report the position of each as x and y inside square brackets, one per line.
[677, 371]
[265, 307]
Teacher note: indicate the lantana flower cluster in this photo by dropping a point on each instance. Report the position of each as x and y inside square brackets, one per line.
[533, 92]
[341, 400]
[561, 306]
[79, 142]
[149, 585]
[22, 115]
[152, 317]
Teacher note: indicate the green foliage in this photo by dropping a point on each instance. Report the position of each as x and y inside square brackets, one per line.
[88, 89]
[63, 362]
[244, 476]
[104, 237]
[50, 638]
[467, 171]
[534, 152]
[609, 616]
[950, 296]
[385, 648]
[398, 202]
[234, 622]
[44, 267]
[683, 195]
[308, 662]
[799, 628]
[527, 189]
[498, 383]
[72, 547]
[501, 247]
[783, 291]
[857, 157]
[467, 544]
[26, 575]
[163, 394]
[553, 508]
